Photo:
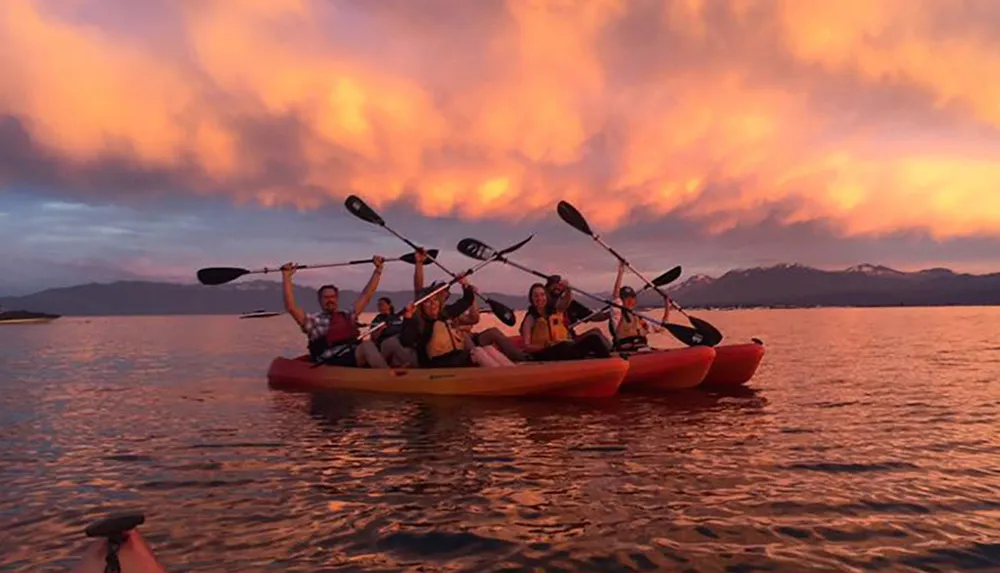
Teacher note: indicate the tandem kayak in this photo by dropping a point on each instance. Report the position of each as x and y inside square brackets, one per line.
[595, 378]
[735, 364]
[667, 369]
[119, 547]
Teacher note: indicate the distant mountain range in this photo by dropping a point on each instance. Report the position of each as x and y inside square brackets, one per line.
[782, 286]
[861, 285]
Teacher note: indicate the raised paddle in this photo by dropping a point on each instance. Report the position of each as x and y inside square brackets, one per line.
[223, 275]
[479, 250]
[497, 256]
[361, 210]
[662, 280]
[568, 213]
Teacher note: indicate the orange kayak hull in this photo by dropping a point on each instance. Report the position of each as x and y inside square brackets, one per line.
[574, 379]
[673, 369]
[735, 364]
[668, 369]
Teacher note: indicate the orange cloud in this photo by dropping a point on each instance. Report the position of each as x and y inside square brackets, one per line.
[710, 110]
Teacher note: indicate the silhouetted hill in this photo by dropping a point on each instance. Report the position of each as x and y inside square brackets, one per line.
[781, 285]
[862, 285]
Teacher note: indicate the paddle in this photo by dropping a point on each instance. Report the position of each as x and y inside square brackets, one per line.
[662, 280]
[568, 213]
[498, 255]
[479, 250]
[223, 275]
[361, 210]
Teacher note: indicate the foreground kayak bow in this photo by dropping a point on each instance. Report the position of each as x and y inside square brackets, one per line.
[119, 547]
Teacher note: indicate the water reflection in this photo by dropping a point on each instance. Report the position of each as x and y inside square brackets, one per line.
[862, 443]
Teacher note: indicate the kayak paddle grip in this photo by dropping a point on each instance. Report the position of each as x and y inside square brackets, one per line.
[114, 528]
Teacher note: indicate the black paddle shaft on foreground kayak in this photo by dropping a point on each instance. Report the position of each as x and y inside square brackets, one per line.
[710, 336]
[478, 250]
[222, 275]
[357, 207]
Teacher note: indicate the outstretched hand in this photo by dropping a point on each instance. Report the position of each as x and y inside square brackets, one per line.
[408, 311]
[288, 269]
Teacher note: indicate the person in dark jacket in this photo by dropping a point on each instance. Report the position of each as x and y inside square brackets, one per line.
[429, 330]
[387, 339]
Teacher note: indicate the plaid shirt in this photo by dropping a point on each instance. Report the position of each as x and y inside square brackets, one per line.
[315, 327]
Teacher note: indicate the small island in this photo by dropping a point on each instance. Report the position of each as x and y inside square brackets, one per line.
[25, 317]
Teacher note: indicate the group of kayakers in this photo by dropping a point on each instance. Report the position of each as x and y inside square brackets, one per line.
[437, 334]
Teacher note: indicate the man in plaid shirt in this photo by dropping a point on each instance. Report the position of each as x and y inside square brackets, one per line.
[333, 333]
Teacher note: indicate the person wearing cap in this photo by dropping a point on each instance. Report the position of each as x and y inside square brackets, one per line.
[545, 328]
[628, 330]
[333, 333]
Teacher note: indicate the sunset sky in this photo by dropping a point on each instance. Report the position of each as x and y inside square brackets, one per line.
[150, 138]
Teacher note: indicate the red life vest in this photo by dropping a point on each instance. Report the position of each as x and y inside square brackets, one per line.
[342, 329]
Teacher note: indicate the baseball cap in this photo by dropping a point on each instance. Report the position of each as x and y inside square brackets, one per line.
[625, 292]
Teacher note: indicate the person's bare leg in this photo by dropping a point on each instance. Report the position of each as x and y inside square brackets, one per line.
[483, 358]
[497, 338]
[497, 355]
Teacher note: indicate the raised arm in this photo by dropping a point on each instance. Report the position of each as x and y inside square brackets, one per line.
[287, 270]
[565, 299]
[618, 280]
[409, 334]
[370, 288]
[653, 327]
[470, 318]
[461, 305]
[418, 272]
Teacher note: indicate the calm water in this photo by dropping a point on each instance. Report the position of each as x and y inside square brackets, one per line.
[869, 439]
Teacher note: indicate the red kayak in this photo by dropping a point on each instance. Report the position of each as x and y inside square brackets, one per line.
[118, 547]
[596, 378]
[668, 369]
[735, 364]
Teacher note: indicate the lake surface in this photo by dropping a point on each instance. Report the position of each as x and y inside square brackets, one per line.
[869, 440]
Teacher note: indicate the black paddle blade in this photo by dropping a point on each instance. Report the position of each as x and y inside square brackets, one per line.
[575, 219]
[503, 313]
[516, 246]
[220, 275]
[668, 277]
[687, 335]
[410, 257]
[709, 333]
[115, 525]
[475, 249]
[361, 210]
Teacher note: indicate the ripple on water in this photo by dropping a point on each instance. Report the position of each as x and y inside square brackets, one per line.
[885, 461]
